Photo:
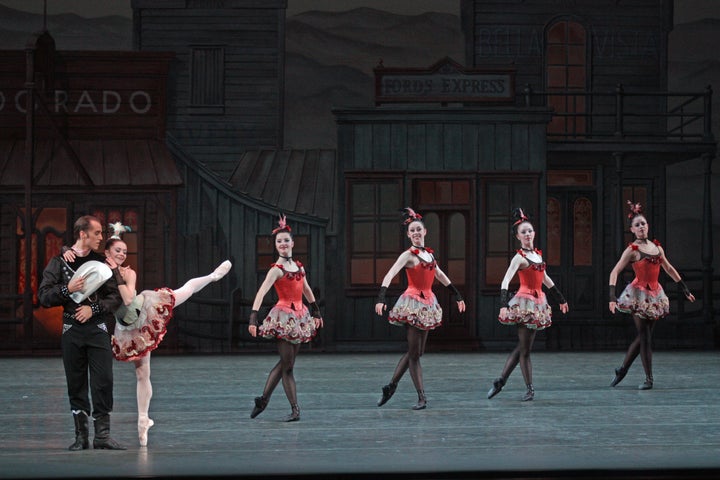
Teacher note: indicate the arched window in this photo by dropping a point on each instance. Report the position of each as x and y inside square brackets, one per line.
[566, 70]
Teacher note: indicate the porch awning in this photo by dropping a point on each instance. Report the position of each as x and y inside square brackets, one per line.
[299, 181]
[89, 163]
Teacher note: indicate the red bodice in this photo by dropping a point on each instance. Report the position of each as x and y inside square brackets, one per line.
[531, 278]
[647, 269]
[421, 277]
[289, 287]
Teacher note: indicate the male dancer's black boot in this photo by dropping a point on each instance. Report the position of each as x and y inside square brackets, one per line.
[81, 432]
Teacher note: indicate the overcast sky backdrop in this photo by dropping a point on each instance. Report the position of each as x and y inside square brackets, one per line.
[685, 10]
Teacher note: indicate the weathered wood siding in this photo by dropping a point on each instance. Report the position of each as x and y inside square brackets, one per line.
[251, 36]
[626, 43]
[216, 223]
[439, 141]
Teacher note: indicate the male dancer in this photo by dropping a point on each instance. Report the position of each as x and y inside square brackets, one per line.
[85, 338]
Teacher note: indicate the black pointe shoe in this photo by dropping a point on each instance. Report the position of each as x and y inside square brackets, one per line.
[498, 385]
[647, 385]
[294, 415]
[619, 375]
[529, 394]
[387, 392]
[421, 403]
[260, 404]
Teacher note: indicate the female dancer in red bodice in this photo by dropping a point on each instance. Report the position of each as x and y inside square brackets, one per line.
[644, 298]
[289, 321]
[417, 309]
[528, 309]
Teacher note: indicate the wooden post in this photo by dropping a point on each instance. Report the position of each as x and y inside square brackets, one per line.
[707, 247]
[619, 206]
[619, 110]
[707, 115]
[29, 161]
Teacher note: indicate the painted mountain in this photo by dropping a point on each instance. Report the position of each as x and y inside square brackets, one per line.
[331, 55]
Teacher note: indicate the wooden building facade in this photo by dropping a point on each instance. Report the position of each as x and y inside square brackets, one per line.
[561, 108]
[590, 125]
[81, 133]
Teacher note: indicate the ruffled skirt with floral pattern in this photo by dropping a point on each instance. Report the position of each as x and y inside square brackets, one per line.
[136, 341]
[644, 303]
[418, 312]
[284, 323]
[529, 312]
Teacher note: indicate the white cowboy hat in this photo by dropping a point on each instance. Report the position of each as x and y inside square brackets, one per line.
[95, 274]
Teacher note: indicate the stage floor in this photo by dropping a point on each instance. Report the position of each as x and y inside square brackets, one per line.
[577, 425]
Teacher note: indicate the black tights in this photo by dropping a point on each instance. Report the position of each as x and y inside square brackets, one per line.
[641, 345]
[283, 370]
[416, 339]
[521, 354]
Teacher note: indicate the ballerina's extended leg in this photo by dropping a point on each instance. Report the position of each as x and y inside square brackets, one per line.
[194, 285]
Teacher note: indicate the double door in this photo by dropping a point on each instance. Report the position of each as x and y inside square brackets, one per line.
[573, 251]
[447, 208]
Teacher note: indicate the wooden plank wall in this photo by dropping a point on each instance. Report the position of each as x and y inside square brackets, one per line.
[215, 224]
[432, 140]
[253, 43]
[627, 43]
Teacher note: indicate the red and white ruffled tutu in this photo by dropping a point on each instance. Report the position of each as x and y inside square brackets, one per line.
[645, 303]
[284, 323]
[529, 311]
[137, 340]
[422, 313]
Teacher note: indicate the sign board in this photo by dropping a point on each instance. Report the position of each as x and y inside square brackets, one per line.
[445, 82]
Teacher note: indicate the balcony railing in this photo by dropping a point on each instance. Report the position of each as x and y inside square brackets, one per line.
[583, 115]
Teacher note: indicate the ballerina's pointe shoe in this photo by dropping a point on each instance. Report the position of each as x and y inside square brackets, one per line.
[143, 427]
[221, 270]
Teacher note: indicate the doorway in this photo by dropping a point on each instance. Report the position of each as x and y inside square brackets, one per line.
[447, 208]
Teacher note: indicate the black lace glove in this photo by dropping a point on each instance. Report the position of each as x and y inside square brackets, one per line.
[453, 289]
[381, 296]
[611, 294]
[253, 318]
[504, 297]
[557, 296]
[118, 276]
[685, 289]
[315, 310]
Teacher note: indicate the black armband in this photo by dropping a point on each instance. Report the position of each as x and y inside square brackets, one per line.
[95, 307]
[612, 297]
[684, 287]
[315, 310]
[453, 289]
[557, 296]
[253, 318]
[381, 295]
[118, 276]
[64, 291]
[504, 297]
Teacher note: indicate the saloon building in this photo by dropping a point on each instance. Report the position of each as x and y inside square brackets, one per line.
[562, 108]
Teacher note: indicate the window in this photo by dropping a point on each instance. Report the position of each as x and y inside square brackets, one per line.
[48, 237]
[565, 73]
[500, 195]
[207, 71]
[374, 230]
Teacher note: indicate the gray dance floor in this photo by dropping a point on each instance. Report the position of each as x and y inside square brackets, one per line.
[577, 426]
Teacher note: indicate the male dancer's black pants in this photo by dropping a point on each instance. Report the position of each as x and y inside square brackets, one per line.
[86, 347]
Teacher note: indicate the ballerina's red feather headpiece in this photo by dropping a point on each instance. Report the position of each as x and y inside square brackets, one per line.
[282, 225]
[635, 209]
[523, 218]
[411, 215]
